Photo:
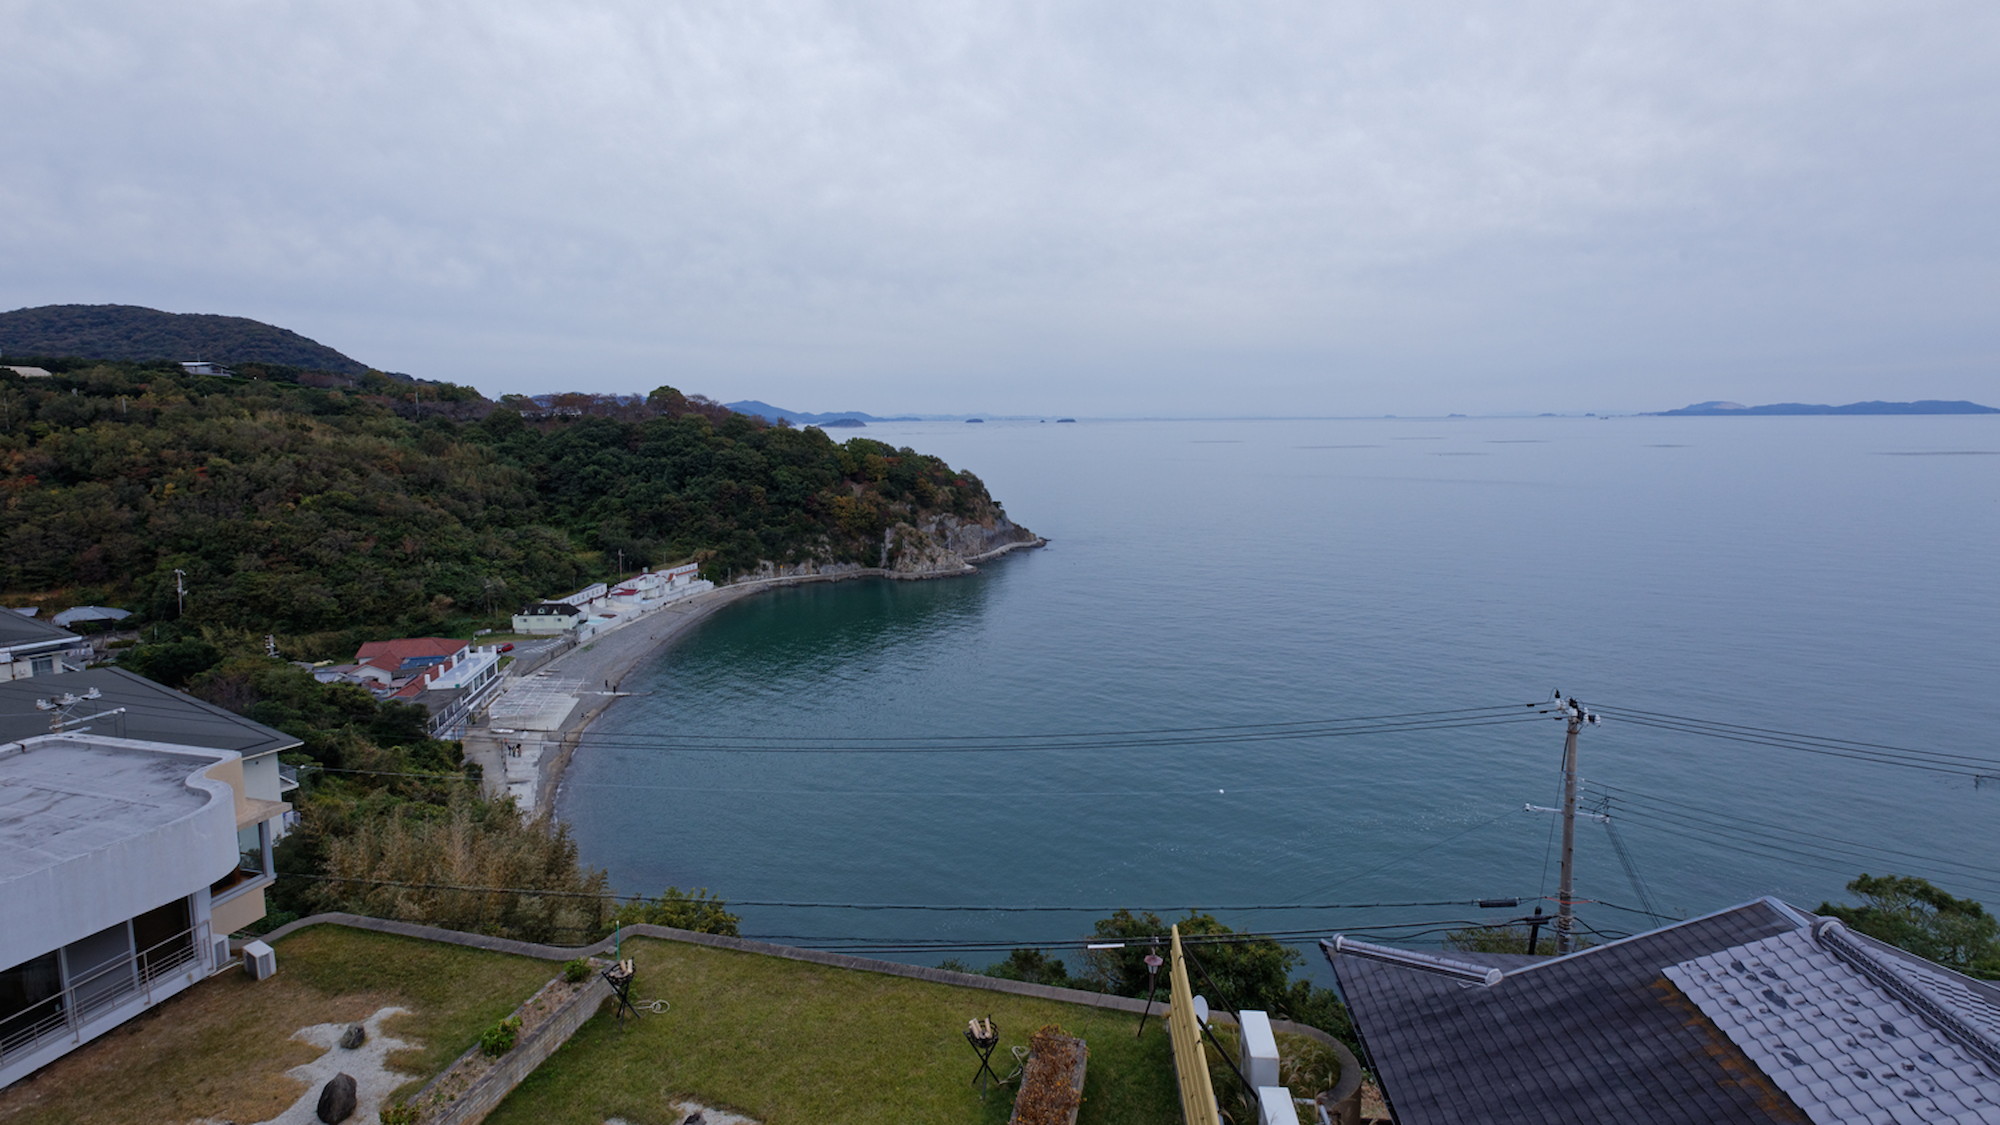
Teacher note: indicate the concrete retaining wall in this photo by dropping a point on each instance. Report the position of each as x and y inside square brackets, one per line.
[480, 1099]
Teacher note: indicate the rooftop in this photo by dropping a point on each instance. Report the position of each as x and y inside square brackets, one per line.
[153, 712]
[1756, 1014]
[397, 656]
[65, 797]
[19, 629]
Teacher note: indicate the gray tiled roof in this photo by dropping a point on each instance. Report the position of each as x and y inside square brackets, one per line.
[153, 712]
[1745, 1016]
[16, 629]
[1843, 1047]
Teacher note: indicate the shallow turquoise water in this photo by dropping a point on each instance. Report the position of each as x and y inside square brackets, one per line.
[1835, 576]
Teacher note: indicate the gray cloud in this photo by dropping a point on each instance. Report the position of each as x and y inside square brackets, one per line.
[1073, 208]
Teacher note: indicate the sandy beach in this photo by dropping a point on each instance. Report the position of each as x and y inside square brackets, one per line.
[534, 722]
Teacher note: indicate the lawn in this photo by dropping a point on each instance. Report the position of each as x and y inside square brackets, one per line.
[790, 1043]
[220, 1050]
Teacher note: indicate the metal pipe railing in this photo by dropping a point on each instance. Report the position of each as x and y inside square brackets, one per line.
[91, 993]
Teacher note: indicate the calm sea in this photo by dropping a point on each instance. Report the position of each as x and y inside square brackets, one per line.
[1838, 577]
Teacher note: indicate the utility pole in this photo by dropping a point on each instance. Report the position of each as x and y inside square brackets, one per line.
[180, 592]
[1575, 716]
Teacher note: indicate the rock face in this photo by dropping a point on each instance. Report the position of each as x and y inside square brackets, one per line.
[354, 1036]
[336, 1099]
[948, 544]
[933, 547]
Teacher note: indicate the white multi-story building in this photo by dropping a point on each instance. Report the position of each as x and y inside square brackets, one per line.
[124, 866]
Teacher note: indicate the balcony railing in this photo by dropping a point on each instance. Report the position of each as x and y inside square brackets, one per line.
[94, 993]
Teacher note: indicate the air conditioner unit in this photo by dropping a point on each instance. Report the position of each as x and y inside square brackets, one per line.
[1259, 1061]
[1274, 1106]
[260, 960]
[221, 958]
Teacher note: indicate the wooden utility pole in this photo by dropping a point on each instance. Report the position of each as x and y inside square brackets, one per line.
[1565, 890]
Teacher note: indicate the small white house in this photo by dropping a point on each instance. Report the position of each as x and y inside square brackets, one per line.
[548, 617]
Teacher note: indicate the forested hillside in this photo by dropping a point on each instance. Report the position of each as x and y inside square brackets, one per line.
[390, 508]
[130, 332]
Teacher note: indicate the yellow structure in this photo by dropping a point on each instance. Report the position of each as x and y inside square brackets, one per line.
[1190, 1060]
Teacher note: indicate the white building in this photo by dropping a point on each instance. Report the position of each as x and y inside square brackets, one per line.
[124, 865]
[548, 617]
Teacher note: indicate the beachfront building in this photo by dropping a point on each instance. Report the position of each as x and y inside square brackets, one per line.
[398, 662]
[447, 677]
[125, 863]
[548, 617]
[32, 647]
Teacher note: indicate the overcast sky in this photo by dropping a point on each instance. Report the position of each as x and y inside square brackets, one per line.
[1076, 208]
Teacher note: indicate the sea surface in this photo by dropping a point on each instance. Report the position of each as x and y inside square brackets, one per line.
[1833, 577]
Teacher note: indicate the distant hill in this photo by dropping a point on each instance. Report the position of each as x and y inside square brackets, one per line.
[1926, 406]
[129, 332]
[771, 413]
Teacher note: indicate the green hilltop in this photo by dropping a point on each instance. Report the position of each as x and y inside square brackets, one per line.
[130, 332]
[323, 508]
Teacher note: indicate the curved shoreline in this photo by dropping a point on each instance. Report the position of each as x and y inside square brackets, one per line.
[613, 654]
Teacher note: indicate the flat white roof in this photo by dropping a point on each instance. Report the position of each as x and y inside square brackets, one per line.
[65, 798]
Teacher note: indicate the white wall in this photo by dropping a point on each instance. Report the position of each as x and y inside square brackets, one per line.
[57, 904]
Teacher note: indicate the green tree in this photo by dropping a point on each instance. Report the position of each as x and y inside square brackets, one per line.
[173, 663]
[1032, 966]
[695, 910]
[1233, 971]
[1913, 914]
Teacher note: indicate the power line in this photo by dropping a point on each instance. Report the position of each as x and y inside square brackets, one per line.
[683, 746]
[969, 908]
[1962, 765]
[1805, 737]
[1144, 731]
[1777, 836]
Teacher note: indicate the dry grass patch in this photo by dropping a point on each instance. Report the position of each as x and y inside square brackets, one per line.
[220, 1050]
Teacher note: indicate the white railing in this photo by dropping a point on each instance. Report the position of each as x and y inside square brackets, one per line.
[95, 992]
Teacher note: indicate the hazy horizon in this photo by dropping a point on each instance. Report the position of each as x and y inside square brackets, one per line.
[1195, 209]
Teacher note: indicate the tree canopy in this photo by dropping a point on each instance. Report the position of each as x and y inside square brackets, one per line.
[1912, 914]
[394, 507]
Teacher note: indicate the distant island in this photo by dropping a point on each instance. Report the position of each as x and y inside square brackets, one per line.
[1731, 409]
[769, 413]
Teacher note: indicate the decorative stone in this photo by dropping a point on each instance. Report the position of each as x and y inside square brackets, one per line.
[336, 1100]
[354, 1036]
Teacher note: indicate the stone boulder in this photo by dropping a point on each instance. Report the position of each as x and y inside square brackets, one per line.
[353, 1037]
[337, 1099]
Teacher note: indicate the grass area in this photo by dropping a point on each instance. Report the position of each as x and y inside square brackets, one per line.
[220, 1050]
[787, 1042]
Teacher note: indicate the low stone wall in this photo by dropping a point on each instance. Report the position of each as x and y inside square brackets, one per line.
[510, 1069]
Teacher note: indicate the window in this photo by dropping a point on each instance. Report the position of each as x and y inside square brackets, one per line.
[30, 997]
[42, 666]
[162, 938]
[253, 861]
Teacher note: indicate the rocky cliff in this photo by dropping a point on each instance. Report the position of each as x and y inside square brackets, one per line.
[936, 546]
